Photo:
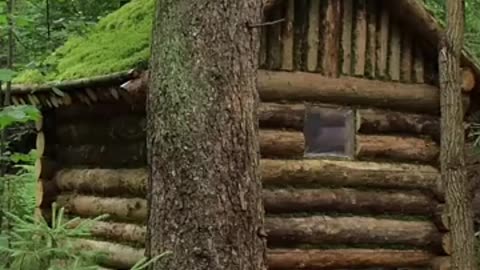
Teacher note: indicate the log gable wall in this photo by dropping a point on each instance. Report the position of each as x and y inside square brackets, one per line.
[345, 37]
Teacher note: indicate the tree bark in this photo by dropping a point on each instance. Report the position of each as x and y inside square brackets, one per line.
[343, 200]
[372, 121]
[348, 174]
[118, 209]
[202, 133]
[458, 190]
[284, 259]
[274, 86]
[373, 147]
[325, 230]
[106, 182]
[117, 232]
[116, 256]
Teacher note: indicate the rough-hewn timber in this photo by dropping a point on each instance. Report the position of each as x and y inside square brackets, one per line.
[274, 115]
[348, 174]
[281, 144]
[116, 232]
[299, 86]
[285, 259]
[372, 121]
[324, 230]
[115, 255]
[291, 144]
[371, 147]
[103, 181]
[121, 209]
[120, 256]
[345, 200]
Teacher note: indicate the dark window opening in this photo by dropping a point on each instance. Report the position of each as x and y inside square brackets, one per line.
[329, 132]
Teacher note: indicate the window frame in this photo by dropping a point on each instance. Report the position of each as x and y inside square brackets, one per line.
[350, 132]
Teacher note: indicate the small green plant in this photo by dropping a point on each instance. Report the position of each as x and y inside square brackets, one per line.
[36, 244]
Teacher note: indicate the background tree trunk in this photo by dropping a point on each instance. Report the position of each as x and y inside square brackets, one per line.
[204, 187]
[457, 187]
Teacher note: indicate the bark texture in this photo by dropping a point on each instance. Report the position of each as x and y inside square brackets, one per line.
[103, 181]
[372, 121]
[458, 190]
[324, 230]
[274, 86]
[348, 174]
[345, 200]
[115, 255]
[284, 259]
[205, 192]
[397, 148]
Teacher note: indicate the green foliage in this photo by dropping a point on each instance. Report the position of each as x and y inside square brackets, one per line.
[36, 244]
[472, 21]
[120, 41]
[39, 32]
[17, 114]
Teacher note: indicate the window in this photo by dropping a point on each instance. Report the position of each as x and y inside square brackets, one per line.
[329, 131]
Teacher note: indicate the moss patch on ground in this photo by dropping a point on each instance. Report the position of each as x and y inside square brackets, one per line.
[118, 42]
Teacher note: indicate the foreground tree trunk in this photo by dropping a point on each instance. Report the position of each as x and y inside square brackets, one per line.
[204, 187]
[454, 178]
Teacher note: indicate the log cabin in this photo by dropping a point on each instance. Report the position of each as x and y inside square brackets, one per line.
[349, 137]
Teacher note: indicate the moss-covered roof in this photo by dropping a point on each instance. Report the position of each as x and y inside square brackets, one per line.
[118, 42]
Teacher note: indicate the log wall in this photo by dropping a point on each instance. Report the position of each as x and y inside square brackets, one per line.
[344, 37]
[379, 208]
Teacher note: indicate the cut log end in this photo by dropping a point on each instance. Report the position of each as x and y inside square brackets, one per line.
[468, 79]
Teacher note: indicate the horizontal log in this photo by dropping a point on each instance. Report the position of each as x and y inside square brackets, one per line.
[103, 181]
[97, 81]
[298, 259]
[313, 230]
[46, 168]
[117, 129]
[347, 201]
[106, 156]
[275, 202]
[97, 112]
[348, 174]
[291, 144]
[468, 79]
[288, 259]
[440, 218]
[120, 209]
[116, 232]
[398, 148]
[369, 121]
[441, 263]
[324, 230]
[112, 255]
[273, 144]
[275, 115]
[374, 121]
[281, 144]
[299, 86]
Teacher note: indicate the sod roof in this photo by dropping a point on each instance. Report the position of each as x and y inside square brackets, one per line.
[120, 41]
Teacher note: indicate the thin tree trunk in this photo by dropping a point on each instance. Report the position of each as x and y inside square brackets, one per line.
[204, 186]
[454, 177]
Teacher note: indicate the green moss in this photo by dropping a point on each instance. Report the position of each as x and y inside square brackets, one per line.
[120, 41]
